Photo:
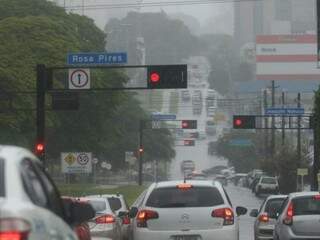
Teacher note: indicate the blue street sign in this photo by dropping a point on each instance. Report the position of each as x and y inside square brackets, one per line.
[284, 111]
[164, 117]
[240, 142]
[103, 58]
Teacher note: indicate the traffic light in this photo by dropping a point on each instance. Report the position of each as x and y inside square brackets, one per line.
[39, 149]
[140, 150]
[244, 122]
[167, 76]
[189, 124]
[189, 143]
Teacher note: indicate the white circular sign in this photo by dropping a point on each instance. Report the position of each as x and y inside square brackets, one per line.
[79, 79]
[104, 164]
[108, 166]
[83, 159]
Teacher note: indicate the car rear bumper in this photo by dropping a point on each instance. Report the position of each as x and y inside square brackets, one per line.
[219, 234]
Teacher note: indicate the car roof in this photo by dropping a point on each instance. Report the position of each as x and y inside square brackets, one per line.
[303, 194]
[198, 183]
[276, 197]
[15, 153]
[107, 196]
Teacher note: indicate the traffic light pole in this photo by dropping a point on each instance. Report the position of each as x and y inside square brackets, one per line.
[141, 126]
[40, 108]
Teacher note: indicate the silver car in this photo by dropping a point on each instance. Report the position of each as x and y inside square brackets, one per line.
[299, 217]
[105, 224]
[266, 217]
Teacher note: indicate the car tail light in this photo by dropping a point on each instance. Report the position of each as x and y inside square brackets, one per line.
[184, 186]
[126, 220]
[226, 214]
[289, 215]
[316, 197]
[264, 217]
[105, 219]
[14, 229]
[145, 215]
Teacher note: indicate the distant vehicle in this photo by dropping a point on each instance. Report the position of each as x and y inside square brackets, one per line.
[299, 217]
[210, 127]
[187, 165]
[211, 111]
[239, 176]
[266, 217]
[196, 176]
[30, 205]
[255, 173]
[105, 223]
[168, 207]
[185, 95]
[267, 185]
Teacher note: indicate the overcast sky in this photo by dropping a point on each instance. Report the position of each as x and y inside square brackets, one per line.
[203, 13]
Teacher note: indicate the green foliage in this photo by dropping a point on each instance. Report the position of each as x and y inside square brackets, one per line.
[37, 31]
[243, 158]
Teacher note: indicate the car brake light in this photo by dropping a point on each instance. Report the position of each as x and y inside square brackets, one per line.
[145, 215]
[225, 213]
[126, 220]
[264, 217]
[316, 197]
[105, 219]
[184, 186]
[289, 215]
[14, 229]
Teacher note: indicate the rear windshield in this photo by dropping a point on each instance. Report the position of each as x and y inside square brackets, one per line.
[2, 184]
[98, 206]
[273, 206]
[268, 180]
[174, 197]
[306, 206]
[114, 203]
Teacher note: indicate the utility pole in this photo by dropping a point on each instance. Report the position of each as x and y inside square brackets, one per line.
[266, 131]
[273, 120]
[140, 152]
[283, 120]
[316, 164]
[299, 133]
[40, 109]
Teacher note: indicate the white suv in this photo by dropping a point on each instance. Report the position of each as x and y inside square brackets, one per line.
[30, 205]
[194, 210]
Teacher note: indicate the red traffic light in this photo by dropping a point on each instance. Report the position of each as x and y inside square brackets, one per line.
[189, 124]
[238, 122]
[154, 77]
[244, 122]
[39, 148]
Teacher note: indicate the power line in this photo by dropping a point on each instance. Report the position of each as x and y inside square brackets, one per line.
[153, 4]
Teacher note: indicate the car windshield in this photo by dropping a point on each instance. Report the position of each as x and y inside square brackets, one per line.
[268, 180]
[306, 206]
[174, 197]
[273, 206]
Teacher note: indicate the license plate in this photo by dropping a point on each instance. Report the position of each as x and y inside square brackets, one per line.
[186, 237]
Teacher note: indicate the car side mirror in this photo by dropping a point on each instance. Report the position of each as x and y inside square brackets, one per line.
[79, 212]
[241, 211]
[254, 213]
[133, 212]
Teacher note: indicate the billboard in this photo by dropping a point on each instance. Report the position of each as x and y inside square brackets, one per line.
[287, 57]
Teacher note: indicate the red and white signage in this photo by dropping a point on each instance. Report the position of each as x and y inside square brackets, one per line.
[287, 57]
